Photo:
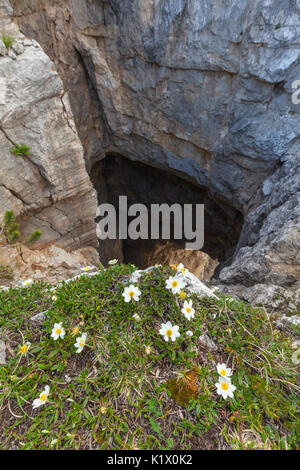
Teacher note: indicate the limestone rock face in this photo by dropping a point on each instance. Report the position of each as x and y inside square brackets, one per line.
[275, 298]
[51, 264]
[199, 89]
[49, 189]
[198, 263]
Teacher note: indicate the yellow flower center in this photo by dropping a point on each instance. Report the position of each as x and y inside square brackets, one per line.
[174, 283]
[43, 397]
[182, 295]
[223, 372]
[58, 331]
[24, 349]
[169, 332]
[225, 386]
[131, 293]
[183, 270]
[174, 267]
[188, 309]
[82, 343]
[75, 330]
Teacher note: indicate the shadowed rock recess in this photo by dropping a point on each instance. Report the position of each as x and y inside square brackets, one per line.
[191, 97]
[141, 183]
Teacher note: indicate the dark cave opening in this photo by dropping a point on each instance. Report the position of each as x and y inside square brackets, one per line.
[116, 176]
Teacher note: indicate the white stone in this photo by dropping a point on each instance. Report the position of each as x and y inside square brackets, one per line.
[193, 284]
[2, 352]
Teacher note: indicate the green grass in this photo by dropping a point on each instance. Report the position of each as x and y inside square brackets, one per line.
[7, 40]
[115, 396]
[20, 150]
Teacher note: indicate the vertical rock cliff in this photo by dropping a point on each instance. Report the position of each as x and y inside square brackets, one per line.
[48, 189]
[201, 90]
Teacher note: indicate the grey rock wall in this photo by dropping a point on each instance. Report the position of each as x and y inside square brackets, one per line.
[199, 89]
[49, 189]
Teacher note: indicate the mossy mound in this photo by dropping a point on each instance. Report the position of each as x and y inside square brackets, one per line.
[117, 393]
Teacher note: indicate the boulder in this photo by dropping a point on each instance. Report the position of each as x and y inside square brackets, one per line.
[51, 264]
[276, 298]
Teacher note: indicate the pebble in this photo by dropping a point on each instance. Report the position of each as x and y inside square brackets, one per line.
[2, 353]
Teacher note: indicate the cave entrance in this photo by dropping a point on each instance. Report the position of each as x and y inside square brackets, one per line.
[116, 175]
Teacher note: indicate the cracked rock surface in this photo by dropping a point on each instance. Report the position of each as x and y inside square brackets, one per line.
[199, 89]
[49, 189]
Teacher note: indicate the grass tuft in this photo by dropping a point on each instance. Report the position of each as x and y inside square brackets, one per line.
[7, 40]
[21, 150]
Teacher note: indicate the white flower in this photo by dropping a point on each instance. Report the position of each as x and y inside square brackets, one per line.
[181, 268]
[214, 289]
[88, 268]
[225, 387]
[136, 317]
[169, 332]
[42, 398]
[174, 267]
[54, 298]
[188, 310]
[296, 357]
[296, 344]
[175, 284]
[189, 333]
[112, 262]
[24, 348]
[80, 343]
[147, 349]
[58, 331]
[27, 283]
[223, 370]
[131, 292]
